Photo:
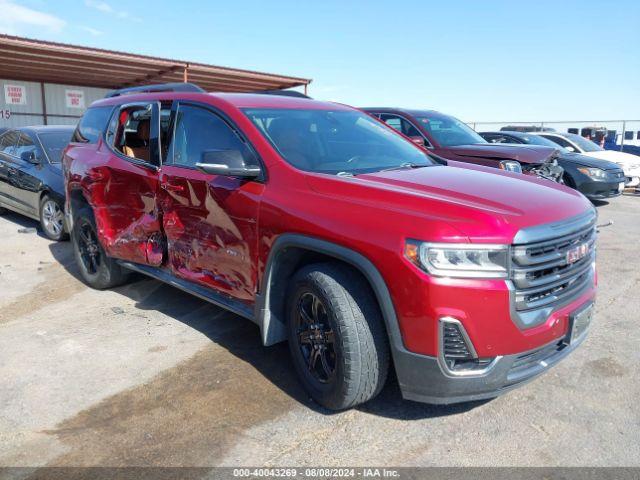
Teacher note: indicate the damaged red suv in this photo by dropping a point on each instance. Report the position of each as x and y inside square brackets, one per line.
[331, 231]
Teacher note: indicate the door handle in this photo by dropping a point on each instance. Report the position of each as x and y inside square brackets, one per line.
[170, 187]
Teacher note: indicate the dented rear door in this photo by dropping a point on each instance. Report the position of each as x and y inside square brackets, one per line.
[124, 189]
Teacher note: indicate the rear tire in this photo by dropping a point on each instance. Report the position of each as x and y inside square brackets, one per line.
[52, 219]
[336, 336]
[97, 269]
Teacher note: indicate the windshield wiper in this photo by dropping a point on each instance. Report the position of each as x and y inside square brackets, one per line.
[403, 165]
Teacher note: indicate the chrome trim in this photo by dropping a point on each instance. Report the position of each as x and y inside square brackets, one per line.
[549, 231]
[562, 236]
[441, 360]
[525, 319]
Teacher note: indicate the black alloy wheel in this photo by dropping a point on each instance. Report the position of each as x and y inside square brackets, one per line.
[316, 340]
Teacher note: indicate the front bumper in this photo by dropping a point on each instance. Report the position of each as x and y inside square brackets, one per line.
[422, 380]
[596, 190]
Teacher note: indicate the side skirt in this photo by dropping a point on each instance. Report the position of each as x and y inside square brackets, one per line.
[204, 293]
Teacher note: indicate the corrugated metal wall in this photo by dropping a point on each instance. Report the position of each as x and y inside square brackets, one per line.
[21, 115]
[57, 106]
[56, 98]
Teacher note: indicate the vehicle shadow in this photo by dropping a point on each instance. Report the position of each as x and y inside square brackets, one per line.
[25, 225]
[241, 338]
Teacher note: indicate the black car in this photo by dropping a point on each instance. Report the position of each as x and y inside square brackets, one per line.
[596, 179]
[31, 177]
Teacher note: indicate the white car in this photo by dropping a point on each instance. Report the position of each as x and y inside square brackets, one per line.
[630, 163]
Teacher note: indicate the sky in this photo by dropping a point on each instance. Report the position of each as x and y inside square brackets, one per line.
[489, 60]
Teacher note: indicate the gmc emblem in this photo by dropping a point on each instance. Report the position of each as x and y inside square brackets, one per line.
[577, 253]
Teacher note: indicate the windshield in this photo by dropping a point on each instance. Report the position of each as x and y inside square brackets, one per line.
[54, 143]
[538, 140]
[336, 142]
[585, 144]
[448, 131]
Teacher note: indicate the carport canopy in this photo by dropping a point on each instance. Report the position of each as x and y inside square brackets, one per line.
[40, 61]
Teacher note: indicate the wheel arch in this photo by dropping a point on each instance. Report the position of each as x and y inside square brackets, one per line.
[292, 251]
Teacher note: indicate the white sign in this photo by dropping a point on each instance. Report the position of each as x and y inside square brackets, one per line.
[15, 94]
[74, 98]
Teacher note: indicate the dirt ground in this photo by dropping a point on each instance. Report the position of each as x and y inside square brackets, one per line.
[147, 375]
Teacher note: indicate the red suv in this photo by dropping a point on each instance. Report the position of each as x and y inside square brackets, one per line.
[450, 139]
[330, 230]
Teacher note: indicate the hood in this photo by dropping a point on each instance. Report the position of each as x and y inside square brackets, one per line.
[586, 161]
[534, 154]
[621, 158]
[483, 204]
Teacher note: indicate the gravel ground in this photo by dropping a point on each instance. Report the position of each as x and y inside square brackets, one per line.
[147, 375]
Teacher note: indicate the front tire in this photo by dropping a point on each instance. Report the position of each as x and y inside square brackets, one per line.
[97, 269]
[52, 219]
[337, 339]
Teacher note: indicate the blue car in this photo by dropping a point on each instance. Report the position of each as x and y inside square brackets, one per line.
[30, 175]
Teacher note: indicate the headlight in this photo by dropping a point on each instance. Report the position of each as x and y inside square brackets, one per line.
[459, 260]
[595, 173]
[511, 166]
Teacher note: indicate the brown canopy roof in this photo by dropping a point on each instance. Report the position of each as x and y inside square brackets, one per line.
[35, 60]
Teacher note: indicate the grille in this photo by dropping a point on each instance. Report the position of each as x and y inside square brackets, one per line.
[454, 346]
[549, 272]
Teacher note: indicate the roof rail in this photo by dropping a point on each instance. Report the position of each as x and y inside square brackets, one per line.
[163, 87]
[286, 93]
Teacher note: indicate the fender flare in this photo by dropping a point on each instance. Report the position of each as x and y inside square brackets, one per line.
[273, 324]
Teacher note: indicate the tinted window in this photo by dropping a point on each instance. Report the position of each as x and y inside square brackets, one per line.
[628, 135]
[54, 143]
[8, 142]
[334, 142]
[25, 144]
[538, 140]
[197, 131]
[92, 124]
[400, 124]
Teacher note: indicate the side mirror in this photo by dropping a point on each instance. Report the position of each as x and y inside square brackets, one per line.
[30, 156]
[229, 163]
[418, 140]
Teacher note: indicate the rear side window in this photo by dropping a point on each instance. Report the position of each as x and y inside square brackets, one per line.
[8, 142]
[92, 124]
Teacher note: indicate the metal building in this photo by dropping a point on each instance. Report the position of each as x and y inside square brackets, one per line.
[53, 83]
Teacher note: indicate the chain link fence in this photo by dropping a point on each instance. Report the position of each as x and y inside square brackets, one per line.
[615, 134]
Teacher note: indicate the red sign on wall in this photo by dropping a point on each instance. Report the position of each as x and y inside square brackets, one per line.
[15, 94]
[74, 98]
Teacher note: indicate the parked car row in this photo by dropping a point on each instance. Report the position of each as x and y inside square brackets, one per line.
[595, 178]
[367, 240]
